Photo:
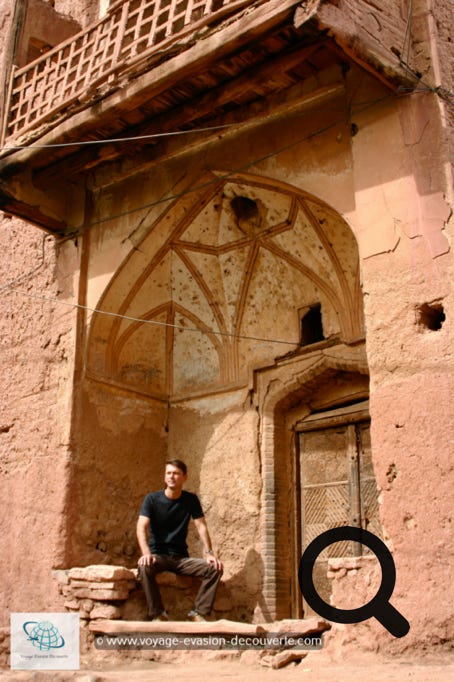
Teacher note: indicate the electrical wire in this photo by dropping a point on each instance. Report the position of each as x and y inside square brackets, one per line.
[137, 138]
[80, 143]
[75, 231]
[401, 92]
[79, 306]
[8, 288]
[404, 61]
[195, 188]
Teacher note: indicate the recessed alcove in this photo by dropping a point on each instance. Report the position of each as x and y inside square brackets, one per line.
[219, 287]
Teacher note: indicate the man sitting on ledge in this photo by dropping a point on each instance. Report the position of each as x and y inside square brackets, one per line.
[162, 529]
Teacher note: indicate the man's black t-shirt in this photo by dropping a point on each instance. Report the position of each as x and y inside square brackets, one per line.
[169, 520]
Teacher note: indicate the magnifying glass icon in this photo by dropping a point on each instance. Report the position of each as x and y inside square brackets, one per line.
[379, 606]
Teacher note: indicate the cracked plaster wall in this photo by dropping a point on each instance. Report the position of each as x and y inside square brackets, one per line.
[392, 189]
[37, 364]
[387, 181]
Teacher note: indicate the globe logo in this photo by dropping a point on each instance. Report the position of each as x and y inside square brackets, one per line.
[43, 635]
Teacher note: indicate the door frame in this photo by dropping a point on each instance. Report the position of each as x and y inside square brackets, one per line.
[344, 416]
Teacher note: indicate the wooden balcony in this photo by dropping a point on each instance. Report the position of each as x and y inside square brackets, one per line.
[133, 35]
[104, 99]
[128, 35]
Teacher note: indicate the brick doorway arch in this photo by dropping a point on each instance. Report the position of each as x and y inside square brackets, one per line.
[324, 381]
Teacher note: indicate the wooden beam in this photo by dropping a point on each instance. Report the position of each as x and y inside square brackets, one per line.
[259, 113]
[30, 213]
[195, 109]
[130, 94]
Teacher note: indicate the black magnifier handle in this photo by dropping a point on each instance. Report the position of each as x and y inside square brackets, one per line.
[378, 607]
[391, 619]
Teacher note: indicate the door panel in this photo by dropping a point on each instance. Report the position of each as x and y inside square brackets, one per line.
[324, 495]
[369, 494]
[337, 488]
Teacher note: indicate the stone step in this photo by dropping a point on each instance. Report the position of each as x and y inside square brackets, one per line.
[223, 626]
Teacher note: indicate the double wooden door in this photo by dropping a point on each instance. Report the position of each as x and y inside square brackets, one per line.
[337, 488]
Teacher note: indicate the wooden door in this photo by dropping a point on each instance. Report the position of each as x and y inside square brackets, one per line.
[337, 488]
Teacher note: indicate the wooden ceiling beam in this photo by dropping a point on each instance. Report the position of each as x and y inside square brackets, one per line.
[265, 111]
[195, 56]
[180, 117]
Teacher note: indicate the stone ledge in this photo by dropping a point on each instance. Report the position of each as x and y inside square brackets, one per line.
[110, 627]
[103, 584]
[298, 627]
[111, 591]
[101, 573]
[100, 594]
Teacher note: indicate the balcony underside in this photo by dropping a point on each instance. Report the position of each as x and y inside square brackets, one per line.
[216, 78]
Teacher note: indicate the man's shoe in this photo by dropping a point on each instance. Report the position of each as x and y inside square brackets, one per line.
[196, 617]
[161, 616]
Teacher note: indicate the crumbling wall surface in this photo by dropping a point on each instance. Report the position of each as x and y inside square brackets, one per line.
[374, 33]
[412, 434]
[407, 271]
[412, 38]
[85, 12]
[36, 369]
[121, 451]
[36, 342]
[217, 437]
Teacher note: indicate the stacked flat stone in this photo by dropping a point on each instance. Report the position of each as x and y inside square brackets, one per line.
[106, 591]
[96, 591]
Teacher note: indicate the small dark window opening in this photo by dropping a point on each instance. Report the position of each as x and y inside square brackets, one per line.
[431, 316]
[311, 325]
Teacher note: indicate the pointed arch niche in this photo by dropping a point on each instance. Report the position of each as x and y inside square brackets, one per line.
[217, 287]
[213, 355]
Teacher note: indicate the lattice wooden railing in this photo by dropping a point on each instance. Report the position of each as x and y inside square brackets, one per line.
[130, 31]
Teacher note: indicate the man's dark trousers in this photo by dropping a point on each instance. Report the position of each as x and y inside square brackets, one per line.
[197, 568]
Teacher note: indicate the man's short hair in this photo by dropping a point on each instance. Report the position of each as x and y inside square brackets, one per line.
[179, 464]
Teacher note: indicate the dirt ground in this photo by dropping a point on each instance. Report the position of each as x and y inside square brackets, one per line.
[316, 667]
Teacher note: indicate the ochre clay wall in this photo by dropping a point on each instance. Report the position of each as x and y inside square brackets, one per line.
[79, 451]
[378, 180]
[37, 342]
[121, 445]
[37, 352]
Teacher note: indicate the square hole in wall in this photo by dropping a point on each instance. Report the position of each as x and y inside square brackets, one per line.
[430, 316]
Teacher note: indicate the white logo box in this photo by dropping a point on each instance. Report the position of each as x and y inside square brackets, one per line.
[45, 641]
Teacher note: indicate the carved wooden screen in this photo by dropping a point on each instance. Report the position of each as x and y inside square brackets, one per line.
[337, 488]
[71, 72]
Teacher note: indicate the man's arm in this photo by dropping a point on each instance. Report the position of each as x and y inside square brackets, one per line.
[202, 530]
[142, 530]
